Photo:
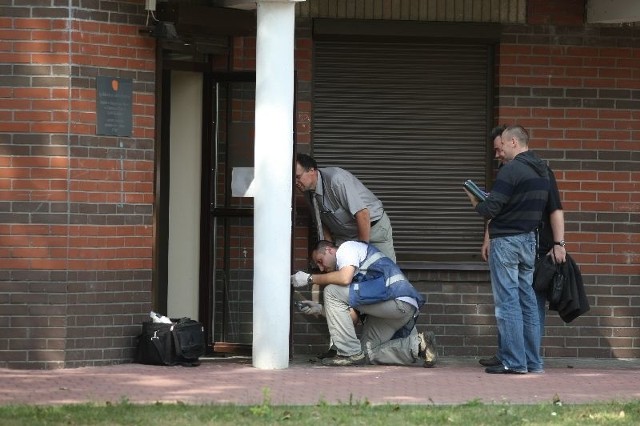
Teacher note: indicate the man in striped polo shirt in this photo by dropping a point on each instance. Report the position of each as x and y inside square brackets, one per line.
[514, 208]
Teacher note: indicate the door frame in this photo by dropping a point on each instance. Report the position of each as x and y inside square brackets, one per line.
[209, 212]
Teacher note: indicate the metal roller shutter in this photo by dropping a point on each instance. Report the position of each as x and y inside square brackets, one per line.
[410, 120]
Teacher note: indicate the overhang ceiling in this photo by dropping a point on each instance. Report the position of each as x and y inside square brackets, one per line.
[613, 11]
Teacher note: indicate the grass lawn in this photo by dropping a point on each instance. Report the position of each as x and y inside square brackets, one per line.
[472, 413]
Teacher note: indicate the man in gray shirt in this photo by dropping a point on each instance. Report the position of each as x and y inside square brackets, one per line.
[347, 209]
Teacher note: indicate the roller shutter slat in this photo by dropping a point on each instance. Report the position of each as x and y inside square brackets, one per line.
[409, 120]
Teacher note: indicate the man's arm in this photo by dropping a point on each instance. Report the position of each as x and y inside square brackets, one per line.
[484, 251]
[363, 221]
[344, 276]
[556, 219]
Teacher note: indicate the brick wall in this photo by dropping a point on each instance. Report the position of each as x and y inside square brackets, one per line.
[577, 89]
[76, 208]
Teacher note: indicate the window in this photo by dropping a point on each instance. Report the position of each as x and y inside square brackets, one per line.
[410, 119]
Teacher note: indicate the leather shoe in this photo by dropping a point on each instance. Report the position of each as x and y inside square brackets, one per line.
[328, 354]
[490, 362]
[501, 369]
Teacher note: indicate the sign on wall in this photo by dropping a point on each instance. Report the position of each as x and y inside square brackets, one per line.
[113, 103]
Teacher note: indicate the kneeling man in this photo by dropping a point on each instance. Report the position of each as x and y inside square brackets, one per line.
[357, 275]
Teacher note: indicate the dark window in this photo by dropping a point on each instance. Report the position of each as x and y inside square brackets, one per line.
[410, 119]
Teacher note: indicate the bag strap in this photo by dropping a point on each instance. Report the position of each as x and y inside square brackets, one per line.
[156, 343]
[176, 341]
[185, 362]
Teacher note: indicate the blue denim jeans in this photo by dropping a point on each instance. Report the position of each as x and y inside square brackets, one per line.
[511, 263]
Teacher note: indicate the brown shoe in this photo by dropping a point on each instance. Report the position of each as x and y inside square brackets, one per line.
[490, 362]
[427, 348]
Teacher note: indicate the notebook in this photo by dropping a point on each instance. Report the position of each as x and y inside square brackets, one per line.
[475, 190]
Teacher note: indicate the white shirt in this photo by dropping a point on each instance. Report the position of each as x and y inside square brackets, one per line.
[353, 253]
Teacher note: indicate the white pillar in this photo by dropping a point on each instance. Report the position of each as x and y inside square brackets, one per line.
[273, 183]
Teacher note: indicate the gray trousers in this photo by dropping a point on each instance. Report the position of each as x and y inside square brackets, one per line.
[380, 236]
[381, 323]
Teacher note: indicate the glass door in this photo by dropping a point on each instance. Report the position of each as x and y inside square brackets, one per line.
[228, 287]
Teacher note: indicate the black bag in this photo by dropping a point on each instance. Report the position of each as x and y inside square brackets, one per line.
[555, 293]
[189, 340]
[543, 274]
[181, 342]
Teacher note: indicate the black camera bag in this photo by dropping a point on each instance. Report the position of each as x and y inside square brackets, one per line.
[181, 342]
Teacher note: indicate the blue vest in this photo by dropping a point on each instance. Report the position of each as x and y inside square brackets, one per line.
[379, 279]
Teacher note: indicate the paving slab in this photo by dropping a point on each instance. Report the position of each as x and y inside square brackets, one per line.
[234, 380]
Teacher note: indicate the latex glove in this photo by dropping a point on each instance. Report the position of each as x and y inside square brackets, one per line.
[299, 279]
[309, 307]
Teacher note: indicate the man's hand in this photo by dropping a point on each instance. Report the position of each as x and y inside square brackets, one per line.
[472, 198]
[300, 279]
[558, 254]
[484, 251]
[486, 244]
[309, 307]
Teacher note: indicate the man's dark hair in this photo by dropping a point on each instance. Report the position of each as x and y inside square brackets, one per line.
[323, 244]
[518, 132]
[306, 162]
[496, 131]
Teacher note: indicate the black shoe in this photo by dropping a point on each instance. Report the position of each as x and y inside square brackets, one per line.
[328, 354]
[490, 362]
[501, 369]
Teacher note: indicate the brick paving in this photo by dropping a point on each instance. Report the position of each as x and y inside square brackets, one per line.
[236, 381]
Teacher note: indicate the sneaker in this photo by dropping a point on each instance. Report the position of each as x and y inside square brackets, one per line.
[427, 348]
[345, 361]
[490, 362]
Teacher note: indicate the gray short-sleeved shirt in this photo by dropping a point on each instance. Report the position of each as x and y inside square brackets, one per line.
[340, 195]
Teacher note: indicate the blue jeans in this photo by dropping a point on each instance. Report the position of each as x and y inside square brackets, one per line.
[541, 299]
[511, 263]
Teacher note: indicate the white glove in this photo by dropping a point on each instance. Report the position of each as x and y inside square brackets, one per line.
[309, 307]
[299, 279]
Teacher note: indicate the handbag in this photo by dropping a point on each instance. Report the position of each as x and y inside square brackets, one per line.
[559, 281]
[545, 270]
[181, 342]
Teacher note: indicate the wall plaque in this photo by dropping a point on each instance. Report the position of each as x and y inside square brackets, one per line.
[114, 104]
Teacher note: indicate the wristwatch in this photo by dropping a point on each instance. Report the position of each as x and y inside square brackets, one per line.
[559, 243]
[310, 279]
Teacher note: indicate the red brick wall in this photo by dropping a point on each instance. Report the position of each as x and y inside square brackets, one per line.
[576, 88]
[76, 208]
[562, 12]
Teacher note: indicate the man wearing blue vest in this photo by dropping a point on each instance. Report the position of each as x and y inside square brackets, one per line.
[357, 275]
